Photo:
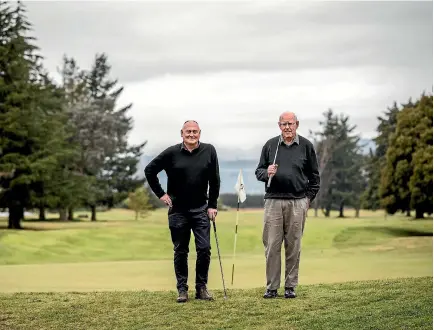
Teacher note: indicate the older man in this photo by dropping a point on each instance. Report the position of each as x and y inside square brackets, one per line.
[191, 167]
[294, 184]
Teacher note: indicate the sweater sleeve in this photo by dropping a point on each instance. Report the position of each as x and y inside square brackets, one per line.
[261, 169]
[157, 165]
[214, 180]
[312, 174]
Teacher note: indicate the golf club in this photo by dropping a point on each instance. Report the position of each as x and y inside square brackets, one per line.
[218, 251]
[274, 161]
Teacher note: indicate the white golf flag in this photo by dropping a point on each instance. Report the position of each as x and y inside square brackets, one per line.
[239, 187]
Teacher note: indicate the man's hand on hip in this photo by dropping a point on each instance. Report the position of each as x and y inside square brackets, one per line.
[166, 199]
[212, 213]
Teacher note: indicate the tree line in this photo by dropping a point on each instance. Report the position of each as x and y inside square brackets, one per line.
[395, 176]
[62, 145]
[400, 170]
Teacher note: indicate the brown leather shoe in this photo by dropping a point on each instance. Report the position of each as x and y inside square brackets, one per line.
[182, 296]
[203, 294]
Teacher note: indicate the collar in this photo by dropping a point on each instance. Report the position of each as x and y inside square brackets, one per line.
[296, 140]
[183, 146]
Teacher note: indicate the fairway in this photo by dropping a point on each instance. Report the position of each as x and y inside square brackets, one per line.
[118, 253]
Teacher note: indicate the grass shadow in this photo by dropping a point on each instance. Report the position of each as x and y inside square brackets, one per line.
[399, 232]
[4, 229]
[54, 220]
[355, 236]
[57, 224]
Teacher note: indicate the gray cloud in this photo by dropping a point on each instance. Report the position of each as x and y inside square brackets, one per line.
[146, 39]
[236, 65]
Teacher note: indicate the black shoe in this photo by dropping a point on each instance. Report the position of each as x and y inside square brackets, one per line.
[203, 294]
[290, 293]
[182, 296]
[270, 294]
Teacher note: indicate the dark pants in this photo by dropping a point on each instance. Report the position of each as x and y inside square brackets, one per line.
[181, 224]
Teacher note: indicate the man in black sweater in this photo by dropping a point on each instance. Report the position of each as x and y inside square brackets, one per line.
[191, 166]
[294, 184]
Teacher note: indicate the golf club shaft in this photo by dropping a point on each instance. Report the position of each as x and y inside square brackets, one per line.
[274, 162]
[218, 251]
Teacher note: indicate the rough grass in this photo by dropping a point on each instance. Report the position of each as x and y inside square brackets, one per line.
[385, 304]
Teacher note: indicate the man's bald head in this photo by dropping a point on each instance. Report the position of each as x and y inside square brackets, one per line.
[288, 116]
[288, 124]
[190, 133]
[189, 123]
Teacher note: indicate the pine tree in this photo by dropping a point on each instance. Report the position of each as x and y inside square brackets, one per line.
[101, 130]
[340, 164]
[376, 160]
[120, 175]
[370, 196]
[421, 181]
[406, 181]
[326, 143]
[348, 184]
[31, 120]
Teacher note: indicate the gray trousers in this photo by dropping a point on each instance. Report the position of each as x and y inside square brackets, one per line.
[283, 222]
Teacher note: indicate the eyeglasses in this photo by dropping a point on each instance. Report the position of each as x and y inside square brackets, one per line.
[287, 124]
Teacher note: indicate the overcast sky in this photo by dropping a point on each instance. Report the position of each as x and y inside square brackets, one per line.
[235, 66]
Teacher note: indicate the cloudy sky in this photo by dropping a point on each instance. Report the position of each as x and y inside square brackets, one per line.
[235, 66]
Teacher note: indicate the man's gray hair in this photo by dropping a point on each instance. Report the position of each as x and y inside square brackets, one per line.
[295, 116]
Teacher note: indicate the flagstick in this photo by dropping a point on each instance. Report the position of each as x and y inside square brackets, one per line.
[235, 241]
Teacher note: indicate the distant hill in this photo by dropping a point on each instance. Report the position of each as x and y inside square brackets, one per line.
[231, 165]
[228, 175]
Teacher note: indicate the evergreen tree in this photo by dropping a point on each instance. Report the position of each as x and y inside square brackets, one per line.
[376, 160]
[31, 119]
[326, 143]
[340, 164]
[101, 130]
[347, 159]
[406, 181]
[119, 174]
[370, 196]
[421, 181]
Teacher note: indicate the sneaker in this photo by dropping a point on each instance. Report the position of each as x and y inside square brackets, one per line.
[270, 294]
[182, 296]
[203, 294]
[290, 293]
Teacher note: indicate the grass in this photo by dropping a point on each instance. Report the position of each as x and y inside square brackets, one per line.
[129, 255]
[384, 304]
[149, 239]
[117, 273]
